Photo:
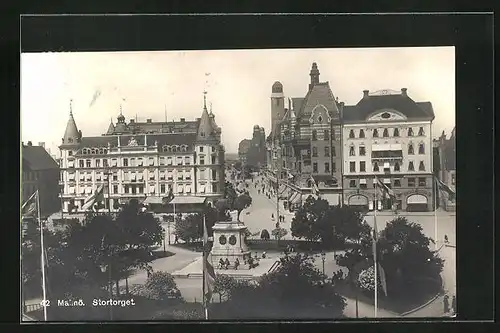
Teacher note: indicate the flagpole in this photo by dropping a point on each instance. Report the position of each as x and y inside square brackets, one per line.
[205, 309]
[168, 225]
[435, 214]
[44, 291]
[375, 252]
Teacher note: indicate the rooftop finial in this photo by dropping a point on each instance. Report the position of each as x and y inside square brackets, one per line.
[123, 99]
[211, 108]
[204, 100]
[71, 107]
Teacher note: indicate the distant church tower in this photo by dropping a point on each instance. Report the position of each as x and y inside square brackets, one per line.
[277, 105]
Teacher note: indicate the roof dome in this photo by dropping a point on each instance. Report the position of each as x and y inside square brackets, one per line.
[121, 118]
[256, 127]
[277, 87]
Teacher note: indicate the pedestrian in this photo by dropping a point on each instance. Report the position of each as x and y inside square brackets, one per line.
[454, 305]
[176, 240]
[446, 304]
[236, 263]
[227, 263]
[446, 238]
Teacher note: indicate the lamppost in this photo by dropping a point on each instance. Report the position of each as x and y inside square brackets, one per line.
[323, 258]
[108, 173]
[164, 241]
[105, 268]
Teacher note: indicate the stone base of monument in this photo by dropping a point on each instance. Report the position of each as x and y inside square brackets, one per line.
[195, 270]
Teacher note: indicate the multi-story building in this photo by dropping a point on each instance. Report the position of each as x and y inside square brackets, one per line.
[143, 160]
[253, 152]
[243, 149]
[40, 172]
[445, 166]
[387, 135]
[306, 137]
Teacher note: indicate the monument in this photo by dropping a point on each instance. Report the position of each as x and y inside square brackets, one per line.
[229, 241]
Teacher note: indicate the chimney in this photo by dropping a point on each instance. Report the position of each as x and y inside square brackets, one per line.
[183, 120]
[30, 143]
[149, 120]
[365, 93]
[403, 91]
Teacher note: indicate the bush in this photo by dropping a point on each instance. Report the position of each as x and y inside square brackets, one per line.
[366, 280]
[160, 286]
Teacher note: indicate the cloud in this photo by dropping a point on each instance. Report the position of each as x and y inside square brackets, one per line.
[97, 93]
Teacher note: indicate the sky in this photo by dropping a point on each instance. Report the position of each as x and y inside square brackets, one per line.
[238, 85]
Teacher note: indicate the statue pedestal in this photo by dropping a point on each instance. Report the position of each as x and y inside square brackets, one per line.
[229, 242]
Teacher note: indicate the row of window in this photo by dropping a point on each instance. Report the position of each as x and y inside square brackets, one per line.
[326, 168]
[141, 189]
[326, 135]
[376, 168]
[422, 182]
[326, 152]
[385, 133]
[132, 162]
[174, 148]
[165, 148]
[362, 150]
[133, 176]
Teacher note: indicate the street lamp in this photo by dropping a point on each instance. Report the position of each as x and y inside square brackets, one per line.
[105, 268]
[108, 173]
[323, 258]
[164, 241]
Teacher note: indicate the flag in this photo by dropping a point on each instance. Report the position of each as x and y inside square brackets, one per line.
[445, 188]
[383, 282]
[315, 189]
[95, 197]
[374, 240]
[386, 191]
[29, 208]
[208, 269]
[170, 195]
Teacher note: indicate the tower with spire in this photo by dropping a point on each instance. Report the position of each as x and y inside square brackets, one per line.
[209, 153]
[72, 135]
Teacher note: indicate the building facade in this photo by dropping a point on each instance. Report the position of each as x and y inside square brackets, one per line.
[306, 141]
[445, 166]
[140, 160]
[40, 172]
[253, 152]
[388, 136]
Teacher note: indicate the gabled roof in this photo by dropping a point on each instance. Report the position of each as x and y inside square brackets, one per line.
[404, 104]
[319, 94]
[37, 158]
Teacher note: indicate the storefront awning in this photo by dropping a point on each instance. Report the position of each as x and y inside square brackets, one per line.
[362, 181]
[417, 199]
[153, 200]
[295, 198]
[179, 200]
[387, 147]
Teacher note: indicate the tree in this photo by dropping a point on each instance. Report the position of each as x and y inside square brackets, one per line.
[305, 221]
[230, 193]
[408, 262]
[161, 286]
[242, 201]
[265, 234]
[295, 290]
[279, 233]
[189, 228]
[224, 285]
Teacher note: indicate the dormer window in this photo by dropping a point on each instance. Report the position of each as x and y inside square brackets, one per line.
[396, 132]
[386, 133]
[410, 131]
[351, 134]
[421, 131]
[361, 134]
[375, 133]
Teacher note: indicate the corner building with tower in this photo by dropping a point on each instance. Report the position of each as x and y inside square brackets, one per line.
[143, 161]
[344, 148]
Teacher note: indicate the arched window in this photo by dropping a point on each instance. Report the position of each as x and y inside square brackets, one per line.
[104, 151]
[94, 151]
[386, 133]
[410, 131]
[421, 149]
[421, 131]
[410, 166]
[361, 133]
[410, 149]
[314, 135]
[375, 133]
[375, 167]
[351, 134]
[421, 166]
[174, 149]
[164, 148]
[396, 132]
[101, 151]
[352, 151]
[396, 166]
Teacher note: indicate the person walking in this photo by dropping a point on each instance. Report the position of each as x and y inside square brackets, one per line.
[446, 238]
[446, 304]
